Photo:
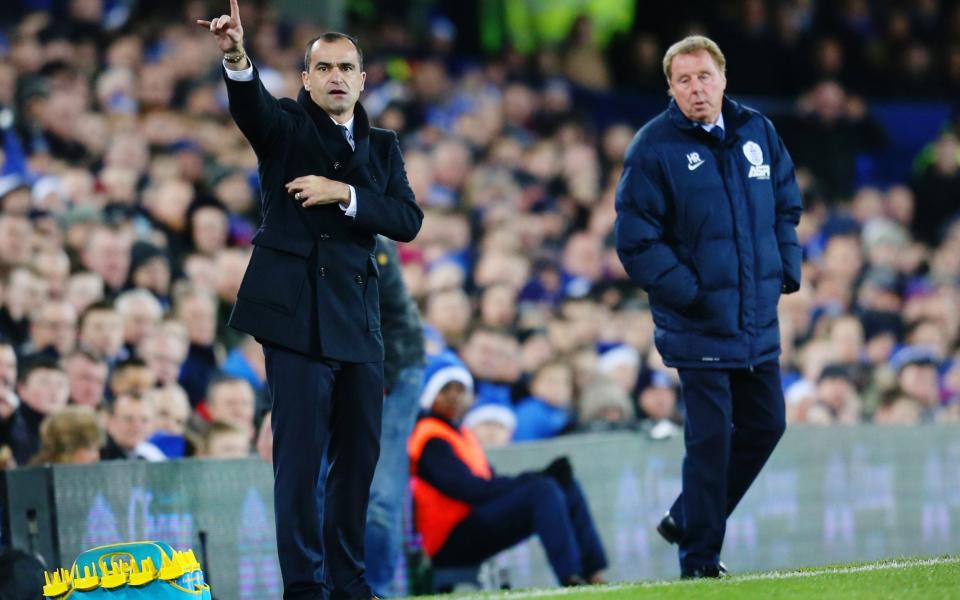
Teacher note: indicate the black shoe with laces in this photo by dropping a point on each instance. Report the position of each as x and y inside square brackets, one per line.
[671, 532]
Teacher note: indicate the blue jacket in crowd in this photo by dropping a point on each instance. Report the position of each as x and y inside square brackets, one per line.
[707, 227]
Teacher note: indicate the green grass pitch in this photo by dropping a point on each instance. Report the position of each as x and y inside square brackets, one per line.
[899, 579]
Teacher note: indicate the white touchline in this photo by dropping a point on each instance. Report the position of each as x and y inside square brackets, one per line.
[617, 587]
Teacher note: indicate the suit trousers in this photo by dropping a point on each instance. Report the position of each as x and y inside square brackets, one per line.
[326, 441]
[734, 419]
[536, 504]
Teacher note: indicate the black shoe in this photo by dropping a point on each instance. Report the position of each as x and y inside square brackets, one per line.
[573, 581]
[670, 531]
[711, 572]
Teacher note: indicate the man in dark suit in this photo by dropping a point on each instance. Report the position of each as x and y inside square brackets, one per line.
[329, 183]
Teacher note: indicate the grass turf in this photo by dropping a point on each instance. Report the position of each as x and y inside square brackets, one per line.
[900, 579]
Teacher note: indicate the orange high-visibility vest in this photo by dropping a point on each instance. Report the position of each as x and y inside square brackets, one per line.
[435, 513]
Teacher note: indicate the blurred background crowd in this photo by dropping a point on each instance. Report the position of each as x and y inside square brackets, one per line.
[128, 199]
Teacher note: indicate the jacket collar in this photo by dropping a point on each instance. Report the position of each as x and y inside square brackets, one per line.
[332, 137]
[734, 116]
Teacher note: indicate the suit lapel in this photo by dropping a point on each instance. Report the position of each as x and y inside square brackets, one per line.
[338, 156]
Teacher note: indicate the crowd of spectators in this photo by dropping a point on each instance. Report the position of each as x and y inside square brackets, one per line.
[128, 199]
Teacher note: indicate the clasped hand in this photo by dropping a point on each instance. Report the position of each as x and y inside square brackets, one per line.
[314, 190]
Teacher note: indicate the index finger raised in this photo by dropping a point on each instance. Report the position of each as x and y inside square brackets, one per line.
[234, 10]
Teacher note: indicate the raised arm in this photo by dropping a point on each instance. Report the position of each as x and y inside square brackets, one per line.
[256, 112]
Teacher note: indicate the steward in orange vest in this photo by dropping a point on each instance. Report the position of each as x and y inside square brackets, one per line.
[465, 513]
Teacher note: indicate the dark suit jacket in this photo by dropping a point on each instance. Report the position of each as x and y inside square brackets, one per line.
[312, 283]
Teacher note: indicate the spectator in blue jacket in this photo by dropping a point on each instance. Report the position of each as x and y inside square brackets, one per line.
[707, 210]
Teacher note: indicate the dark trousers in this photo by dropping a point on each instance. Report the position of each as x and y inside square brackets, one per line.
[330, 409]
[734, 419]
[535, 505]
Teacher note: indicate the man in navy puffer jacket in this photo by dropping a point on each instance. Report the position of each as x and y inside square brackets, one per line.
[707, 209]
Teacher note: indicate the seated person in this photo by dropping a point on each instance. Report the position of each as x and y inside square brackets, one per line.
[493, 423]
[130, 423]
[226, 440]
[171, 433]
[72, 436]
[467, 514]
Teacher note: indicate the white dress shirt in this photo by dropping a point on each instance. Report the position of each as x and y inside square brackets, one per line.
[247, 75]
[708, 126]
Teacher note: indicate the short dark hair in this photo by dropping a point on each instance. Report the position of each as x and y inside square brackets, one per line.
[329, 37]
[98, 306]
[220, 379]
[40, 362]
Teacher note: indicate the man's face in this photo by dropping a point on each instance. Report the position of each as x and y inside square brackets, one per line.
[45, 391]
[109, 256]
[453, 400]
[233, 403]
[200, 317]
[334, 79]
[131, 422]
[173, 411]
[56, 326]
[164, 354]
[102, 332]
[139, 321]
[87, 381]
[697, 85]
[14, 240]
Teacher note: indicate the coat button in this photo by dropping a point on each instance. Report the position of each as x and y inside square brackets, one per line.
[358, 279]
[323, 271]
[324, 236]
[336, 166]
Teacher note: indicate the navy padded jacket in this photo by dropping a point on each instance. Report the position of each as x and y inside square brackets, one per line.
[707, 228]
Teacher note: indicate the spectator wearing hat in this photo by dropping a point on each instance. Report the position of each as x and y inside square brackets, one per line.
[466, 513]
[621, 364]
[493, 423]
[918, 380]
[604, 406]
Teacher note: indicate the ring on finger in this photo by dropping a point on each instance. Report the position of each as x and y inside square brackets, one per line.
[297, 195]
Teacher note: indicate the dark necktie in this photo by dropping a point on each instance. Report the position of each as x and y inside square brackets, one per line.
[716, 132]
[347, 136]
